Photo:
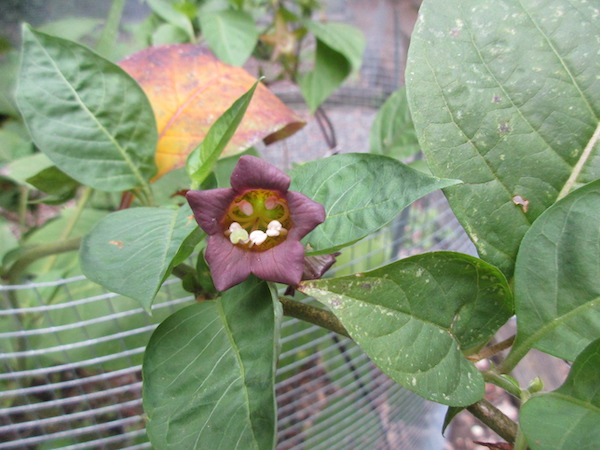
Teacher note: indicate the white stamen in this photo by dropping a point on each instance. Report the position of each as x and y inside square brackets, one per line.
[257, 237]
[238, 235]
[234, 226]
[274, 228]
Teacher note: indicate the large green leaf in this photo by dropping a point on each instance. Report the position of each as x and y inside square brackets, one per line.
[132, 251]
[209, 373]
[416, 317]
[393, 132]
[568, 417]
[557, 277]
[361, 193]
[232, 35]
[86, 114]
[505, 95]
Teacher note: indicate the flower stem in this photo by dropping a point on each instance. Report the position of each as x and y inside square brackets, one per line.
[500, 381]
[495, 419]
[316, 316]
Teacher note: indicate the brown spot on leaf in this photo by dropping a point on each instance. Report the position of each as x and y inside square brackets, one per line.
[520, 201]
[118, 244]
[504, 127]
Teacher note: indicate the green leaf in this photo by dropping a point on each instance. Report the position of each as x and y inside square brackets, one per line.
[86, 114]
[72, 28]
[209, 373]
[393, 132]
[330, 71]
[338, 53]
[131, 252]
[342, 38]
[557, 278]
[168, 34]
[568, 417]
[174, 17]
[12, 146]
[20, 170]
[361, 193]
[416, 317]
[59, 186]
[231, 35]
[505, 95]
[9, 64]
[201, 160]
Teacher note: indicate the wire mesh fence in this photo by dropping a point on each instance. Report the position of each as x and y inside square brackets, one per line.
[71, 352]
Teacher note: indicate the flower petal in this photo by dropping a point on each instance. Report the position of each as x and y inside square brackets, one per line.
[209, 207]
[306, 214]
[316, 266]
[229, 264]
[283, 263]
[254, 173]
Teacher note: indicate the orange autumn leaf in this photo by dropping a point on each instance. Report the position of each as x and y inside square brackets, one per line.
[189, 89]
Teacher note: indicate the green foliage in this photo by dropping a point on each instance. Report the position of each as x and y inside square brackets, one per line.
[86, 114]
[568, 417]
[557, 283]
[505, 96]
[415, 317]
[201, 161]
[209, 373]
[230, 34]
[361, 194]
[338, 53]
[393, 132]
[148, 239]
[175, 18]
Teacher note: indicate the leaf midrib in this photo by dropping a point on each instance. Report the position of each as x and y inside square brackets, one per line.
[84, 107]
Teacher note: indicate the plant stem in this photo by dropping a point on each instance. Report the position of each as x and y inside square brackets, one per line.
[23, 198]
[316, 316]
[32, 254]
[492, 349]
[109, 33]
[498, 380]
[495, 419]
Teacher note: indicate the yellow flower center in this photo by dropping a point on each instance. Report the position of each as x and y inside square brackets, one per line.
[258, 220]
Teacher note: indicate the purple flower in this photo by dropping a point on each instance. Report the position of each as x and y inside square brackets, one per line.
[255, 226]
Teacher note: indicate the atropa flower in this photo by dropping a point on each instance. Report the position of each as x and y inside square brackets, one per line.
[255, 226]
